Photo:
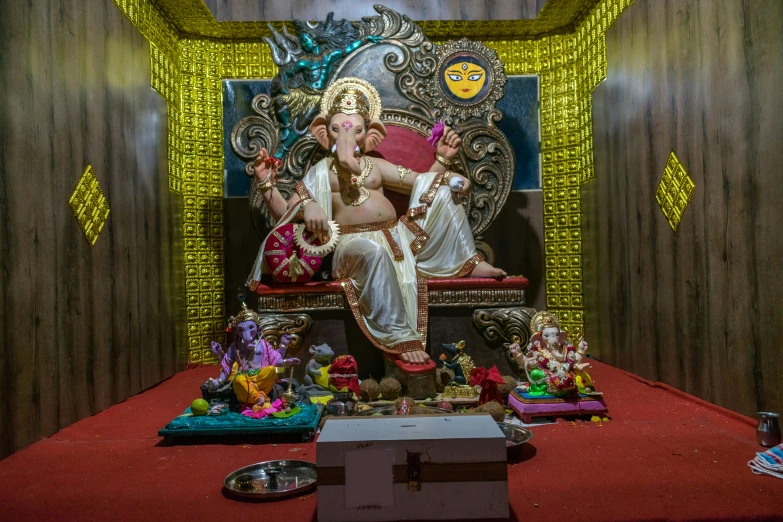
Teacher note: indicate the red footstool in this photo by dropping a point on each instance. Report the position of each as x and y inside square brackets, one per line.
[417, 380]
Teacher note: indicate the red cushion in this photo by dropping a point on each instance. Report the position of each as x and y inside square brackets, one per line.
[333, 287]
[414, 369]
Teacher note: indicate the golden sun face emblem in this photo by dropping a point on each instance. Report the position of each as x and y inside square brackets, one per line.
[465, 80]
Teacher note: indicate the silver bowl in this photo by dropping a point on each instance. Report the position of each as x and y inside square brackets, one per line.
[515, 435]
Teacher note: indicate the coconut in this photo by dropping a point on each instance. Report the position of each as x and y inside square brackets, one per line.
[509, 383]
[369, 390]
[495, 409]
[443, 376]
[421, 410]
[390, 388]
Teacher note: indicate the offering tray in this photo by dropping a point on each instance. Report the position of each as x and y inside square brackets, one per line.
[515, 435]
[272, 479]
[391, 410]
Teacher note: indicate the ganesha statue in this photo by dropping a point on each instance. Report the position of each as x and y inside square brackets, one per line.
[249, 364]
[382, 261]
[552, 364]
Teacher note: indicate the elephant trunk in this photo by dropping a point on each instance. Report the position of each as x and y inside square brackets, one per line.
[346, 146]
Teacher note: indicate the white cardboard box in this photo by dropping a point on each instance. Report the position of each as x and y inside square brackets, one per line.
[365, 465]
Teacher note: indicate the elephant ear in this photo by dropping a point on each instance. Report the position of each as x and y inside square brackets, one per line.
[376, 132]
[318, 130]
[562, 336]
[537, 337]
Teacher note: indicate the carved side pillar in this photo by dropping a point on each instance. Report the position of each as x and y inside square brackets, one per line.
[275, 325]
[504, 326]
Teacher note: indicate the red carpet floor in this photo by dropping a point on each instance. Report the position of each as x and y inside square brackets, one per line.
[662, 456]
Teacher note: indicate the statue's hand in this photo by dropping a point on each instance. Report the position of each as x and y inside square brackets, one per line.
[374, 39]
[460, 184]
[449, 143]
[583, 346]
[315, 218]
[216, 349]
[285, 339]
[265, 166]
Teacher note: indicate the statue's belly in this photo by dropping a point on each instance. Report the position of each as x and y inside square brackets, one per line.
[376, 208]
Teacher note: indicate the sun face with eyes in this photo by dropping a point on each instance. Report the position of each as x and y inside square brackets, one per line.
[464, 79]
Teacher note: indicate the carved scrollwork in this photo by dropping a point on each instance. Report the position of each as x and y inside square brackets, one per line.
[255, 132]
[392, 25]
[490, 160]
[504, 327]
[275, 325]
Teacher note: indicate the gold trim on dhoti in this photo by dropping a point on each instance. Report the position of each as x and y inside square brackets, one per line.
[353, 303]
[368, 227]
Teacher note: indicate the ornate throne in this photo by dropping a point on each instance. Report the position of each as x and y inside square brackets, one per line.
[407, 70]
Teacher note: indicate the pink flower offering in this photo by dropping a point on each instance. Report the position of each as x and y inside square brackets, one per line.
[437, 133]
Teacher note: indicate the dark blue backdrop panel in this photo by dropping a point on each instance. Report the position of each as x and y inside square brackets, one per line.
[520, 124]
[237, 95]
[521, 127]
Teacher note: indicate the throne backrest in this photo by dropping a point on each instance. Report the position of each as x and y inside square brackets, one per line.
[409, 73]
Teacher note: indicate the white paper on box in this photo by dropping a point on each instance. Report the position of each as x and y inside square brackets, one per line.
[369, 478]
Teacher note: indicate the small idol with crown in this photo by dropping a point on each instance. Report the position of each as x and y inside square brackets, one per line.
[552, 364]
[256, 361]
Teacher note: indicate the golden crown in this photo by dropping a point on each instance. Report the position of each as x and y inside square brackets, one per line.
[541, 320]
[245, 314]
[351, 96]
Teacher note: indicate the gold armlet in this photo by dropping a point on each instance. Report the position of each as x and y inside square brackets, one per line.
[402, 171]
[443, 161]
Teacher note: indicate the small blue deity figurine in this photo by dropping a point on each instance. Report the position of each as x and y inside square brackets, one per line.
[306, 64]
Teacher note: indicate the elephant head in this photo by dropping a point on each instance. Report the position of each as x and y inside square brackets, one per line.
[349, 123]
[246, 332]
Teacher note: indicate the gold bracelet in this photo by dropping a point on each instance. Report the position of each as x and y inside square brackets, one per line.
[443, 161]
[266, 185]
[402, 171]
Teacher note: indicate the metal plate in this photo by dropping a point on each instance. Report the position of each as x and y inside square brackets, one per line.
[295, 477]
[391, 410]
[515, 435]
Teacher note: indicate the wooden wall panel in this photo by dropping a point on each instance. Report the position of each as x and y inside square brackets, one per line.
[699, 308]
[81, 327]
[254, 10]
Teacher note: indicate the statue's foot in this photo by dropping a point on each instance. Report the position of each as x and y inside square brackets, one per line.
[418, 357]
[484, 269]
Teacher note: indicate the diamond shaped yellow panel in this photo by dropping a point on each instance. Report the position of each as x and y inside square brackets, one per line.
[89, 205]
[674, 191]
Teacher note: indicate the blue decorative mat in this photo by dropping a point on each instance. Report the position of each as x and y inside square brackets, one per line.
[188, 425]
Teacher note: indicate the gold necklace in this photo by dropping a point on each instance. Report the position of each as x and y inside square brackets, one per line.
[356, 182]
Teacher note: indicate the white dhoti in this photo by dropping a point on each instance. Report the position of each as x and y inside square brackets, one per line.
[384, 266]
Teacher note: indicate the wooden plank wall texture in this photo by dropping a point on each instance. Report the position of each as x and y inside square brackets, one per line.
[81, 328]
[254, 10]
[699, 309]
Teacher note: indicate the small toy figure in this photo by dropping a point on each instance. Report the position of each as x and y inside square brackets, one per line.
[455, 359]
[316, 379]
[255, 358]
